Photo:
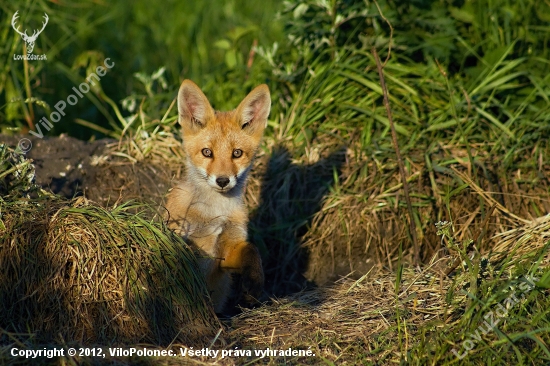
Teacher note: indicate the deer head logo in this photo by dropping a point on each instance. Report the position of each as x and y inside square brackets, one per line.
[29, 40]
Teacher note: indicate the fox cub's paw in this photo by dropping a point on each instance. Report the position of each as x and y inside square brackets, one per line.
[252, 286]
[252, 275]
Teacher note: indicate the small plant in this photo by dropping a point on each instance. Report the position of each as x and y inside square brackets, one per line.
[445, 229]
[16, 173]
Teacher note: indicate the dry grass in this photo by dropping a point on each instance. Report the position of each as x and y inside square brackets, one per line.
[141, 167]
[523, 242]
[353, 321]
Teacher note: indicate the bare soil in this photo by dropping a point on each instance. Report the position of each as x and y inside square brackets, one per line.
[70, 167]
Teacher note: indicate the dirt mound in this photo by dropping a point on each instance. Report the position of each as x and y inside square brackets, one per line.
[71, 168]
[72, 271]
[309, 234]
[353, 232]
[63, 164]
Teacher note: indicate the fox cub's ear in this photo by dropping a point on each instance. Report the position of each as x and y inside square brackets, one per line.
[193, 107]
[254, 109]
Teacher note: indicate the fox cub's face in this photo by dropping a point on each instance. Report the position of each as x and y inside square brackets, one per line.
[220, 146]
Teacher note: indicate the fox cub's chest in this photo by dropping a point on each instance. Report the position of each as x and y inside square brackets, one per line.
[206, 222]
[203, 227]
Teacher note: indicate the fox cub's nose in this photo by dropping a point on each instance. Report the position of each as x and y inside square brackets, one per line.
[222, 181]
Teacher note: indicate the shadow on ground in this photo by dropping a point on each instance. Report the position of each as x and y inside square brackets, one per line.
[291, 195]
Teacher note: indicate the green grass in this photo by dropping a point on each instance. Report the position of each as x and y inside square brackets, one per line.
[204, 41]
[497, 311]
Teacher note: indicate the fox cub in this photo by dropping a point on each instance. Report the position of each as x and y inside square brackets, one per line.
[207, 208]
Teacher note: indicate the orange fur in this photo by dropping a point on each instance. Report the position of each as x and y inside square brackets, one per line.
[207, 208]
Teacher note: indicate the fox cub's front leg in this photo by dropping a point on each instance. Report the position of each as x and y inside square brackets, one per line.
[237, 255]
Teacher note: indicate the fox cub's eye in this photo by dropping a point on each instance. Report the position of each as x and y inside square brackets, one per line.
[237, 153]
[207, 152]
